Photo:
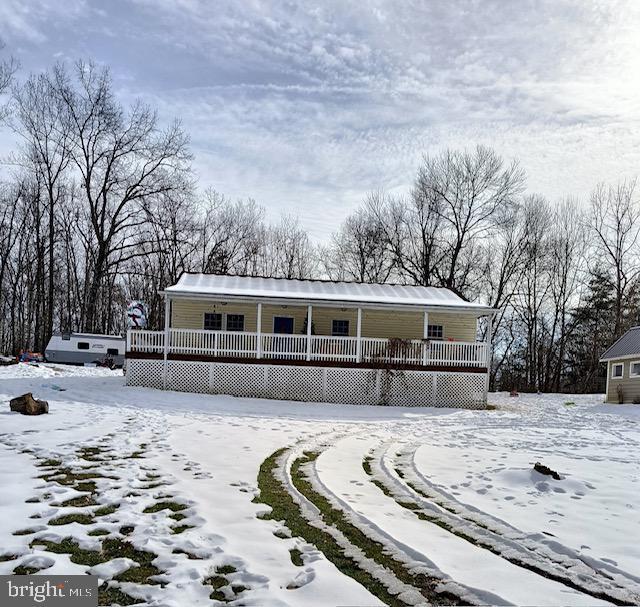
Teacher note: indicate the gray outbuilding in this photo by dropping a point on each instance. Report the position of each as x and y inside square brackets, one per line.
[623, 368]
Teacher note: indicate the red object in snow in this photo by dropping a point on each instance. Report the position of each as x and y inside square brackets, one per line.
[28, 356]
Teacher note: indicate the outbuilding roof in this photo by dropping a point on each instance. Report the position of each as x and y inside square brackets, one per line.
[256, 288]
[628, 345]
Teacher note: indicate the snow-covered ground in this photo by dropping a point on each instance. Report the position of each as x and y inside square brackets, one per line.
[450, 493]
[39, 370]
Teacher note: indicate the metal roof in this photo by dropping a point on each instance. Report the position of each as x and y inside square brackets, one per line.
[627, 345]
[255, 288]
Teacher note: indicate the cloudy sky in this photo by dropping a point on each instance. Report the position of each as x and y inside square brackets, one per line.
[307, 106]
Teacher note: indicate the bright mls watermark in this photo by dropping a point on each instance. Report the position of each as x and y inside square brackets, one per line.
[48, 590]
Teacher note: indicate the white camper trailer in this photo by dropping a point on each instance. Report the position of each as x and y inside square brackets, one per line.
[81, 348]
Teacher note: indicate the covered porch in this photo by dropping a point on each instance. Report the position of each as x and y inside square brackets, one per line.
[270, 332]
[316, 341]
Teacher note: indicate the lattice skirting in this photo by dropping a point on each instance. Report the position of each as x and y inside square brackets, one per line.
[321, 384]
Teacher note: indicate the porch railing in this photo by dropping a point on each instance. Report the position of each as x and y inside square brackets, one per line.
[318, 347]
[277, 345]
[145, 341]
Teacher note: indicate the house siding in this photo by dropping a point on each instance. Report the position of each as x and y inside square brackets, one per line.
[410, 325]
[630, 385]
[189, 314]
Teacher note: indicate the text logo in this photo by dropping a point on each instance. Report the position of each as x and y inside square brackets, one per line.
[49, 590]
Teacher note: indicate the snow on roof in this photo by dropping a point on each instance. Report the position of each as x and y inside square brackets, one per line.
[87, 335]
[254, 287]
[627, 345]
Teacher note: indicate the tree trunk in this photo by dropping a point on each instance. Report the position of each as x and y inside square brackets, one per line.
[91, 321]
[48, 326]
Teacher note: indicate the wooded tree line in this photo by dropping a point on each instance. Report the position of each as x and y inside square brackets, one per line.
[564, 277]
[99, 206]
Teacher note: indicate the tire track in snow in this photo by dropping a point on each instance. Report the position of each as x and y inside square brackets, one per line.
[455, 558]
[405, 462]
[420, 582]
[400, 481]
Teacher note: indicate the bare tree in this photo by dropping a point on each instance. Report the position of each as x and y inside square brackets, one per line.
[469, 193]
[614, 223]
[171, 250]
[411, 233]
[231, 235]
[459, 199]
[288, 252]
[40, 119]
[504, 265]
[534, 286]
[11, 227]
[8, 68]
[74, 261]
[537, 313]
[567, 248]
[359, 250]
[124, 161]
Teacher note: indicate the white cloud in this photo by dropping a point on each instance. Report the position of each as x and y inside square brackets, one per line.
[307, 107]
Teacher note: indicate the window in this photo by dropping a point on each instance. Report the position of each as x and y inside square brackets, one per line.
[634, 369]
[340, 328]
[212, 321]
[283, 324]
[435, 332]
[617, 370]
[112, 351]
[235, 322]
[83, 345]
[66, 336]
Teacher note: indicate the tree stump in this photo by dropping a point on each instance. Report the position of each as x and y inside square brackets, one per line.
[27, 405]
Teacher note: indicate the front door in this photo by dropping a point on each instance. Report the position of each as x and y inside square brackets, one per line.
[283, 324]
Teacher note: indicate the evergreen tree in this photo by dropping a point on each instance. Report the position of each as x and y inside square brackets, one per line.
[592, 333]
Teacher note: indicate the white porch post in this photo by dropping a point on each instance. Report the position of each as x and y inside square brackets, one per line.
[259, 332]
[425, 336]
[359, 337]
[309, 321]
[167, 327]
[488, 339]
[489, 353]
